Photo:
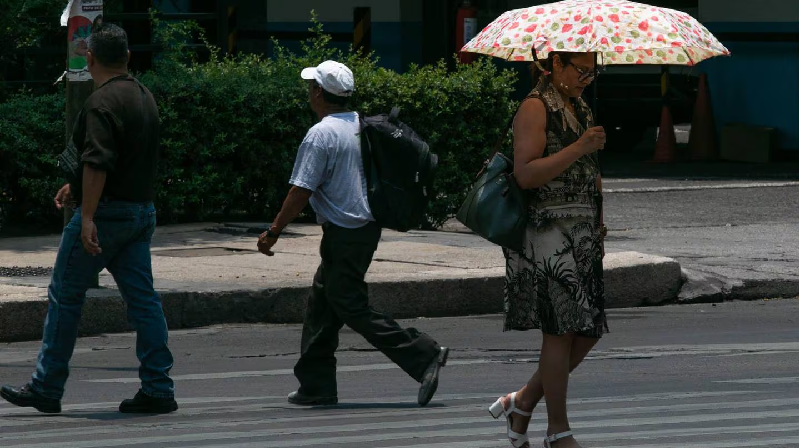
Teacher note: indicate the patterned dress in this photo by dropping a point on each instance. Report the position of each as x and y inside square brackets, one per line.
[555, 284]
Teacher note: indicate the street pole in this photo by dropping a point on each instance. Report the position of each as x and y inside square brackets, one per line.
[82, 16]
[76, 94]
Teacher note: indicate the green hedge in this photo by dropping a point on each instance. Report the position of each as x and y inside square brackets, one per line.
[231, 127]
[31, 134]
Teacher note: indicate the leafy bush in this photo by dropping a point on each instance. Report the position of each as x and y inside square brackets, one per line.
[31, 132]
[231, 126]
[29, 25]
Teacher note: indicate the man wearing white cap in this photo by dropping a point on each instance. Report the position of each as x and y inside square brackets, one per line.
[329, 174]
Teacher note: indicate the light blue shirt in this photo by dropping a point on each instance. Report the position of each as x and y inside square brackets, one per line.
[329, 163]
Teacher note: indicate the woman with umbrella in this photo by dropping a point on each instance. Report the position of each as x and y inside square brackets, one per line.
[555, 282]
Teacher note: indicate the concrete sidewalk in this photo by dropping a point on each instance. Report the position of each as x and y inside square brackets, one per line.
[212, 273]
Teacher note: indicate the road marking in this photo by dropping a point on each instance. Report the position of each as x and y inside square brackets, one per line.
[772, 443]
[335, 414]
[784, 380]
[702, 187]
[280, 372]
[377, 430]
[8, 409]
[628, 436]
[353, 423]
[495, 430]
[492, 444]
[642, 351]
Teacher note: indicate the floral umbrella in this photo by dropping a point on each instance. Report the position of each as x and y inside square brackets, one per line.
[623, 32]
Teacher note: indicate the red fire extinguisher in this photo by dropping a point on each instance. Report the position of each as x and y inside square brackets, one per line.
[465, 30]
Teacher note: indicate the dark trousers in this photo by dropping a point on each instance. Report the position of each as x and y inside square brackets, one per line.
[341, 296]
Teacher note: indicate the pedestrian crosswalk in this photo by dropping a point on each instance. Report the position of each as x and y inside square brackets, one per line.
[733, 417]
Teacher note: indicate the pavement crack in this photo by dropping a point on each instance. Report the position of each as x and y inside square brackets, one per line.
[357, 349]
[419, 263]
[505, 350]
[102, 349]
[435, 265]
[263, 355]
[280, 355]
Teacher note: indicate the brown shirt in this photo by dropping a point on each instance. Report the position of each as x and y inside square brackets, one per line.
[117, 132]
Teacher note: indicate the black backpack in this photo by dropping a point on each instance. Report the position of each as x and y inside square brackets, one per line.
[399, 170]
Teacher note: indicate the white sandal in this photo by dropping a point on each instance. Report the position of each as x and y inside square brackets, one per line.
[497, 410]
[555, 437]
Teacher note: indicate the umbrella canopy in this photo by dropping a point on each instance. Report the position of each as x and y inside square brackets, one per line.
[622, 32]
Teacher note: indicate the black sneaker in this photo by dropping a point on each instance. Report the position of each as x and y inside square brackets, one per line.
[26, 397]
[301, 399]
[145, 404]
[430, 378]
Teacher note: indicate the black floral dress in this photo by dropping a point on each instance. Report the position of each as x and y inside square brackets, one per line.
[555, 284]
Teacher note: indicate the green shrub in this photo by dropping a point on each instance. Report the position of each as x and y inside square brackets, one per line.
[460, 115]
[231, 126]
[31, 133]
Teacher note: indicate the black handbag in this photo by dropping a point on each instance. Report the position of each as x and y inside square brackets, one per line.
[496, 207]
[69, 162]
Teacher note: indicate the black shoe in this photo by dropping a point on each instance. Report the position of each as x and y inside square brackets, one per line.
[145, 404]
[430, 378]
[26, 397]
[301, 399]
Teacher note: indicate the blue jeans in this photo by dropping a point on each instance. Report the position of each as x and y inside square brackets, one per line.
[124, 230]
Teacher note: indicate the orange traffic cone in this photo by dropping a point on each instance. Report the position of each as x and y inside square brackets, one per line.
[702, 140]
[666, 146]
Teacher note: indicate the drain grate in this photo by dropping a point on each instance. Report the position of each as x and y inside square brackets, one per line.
[203, 252]
[25, 271]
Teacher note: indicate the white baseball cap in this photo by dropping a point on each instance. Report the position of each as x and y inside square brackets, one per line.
[332, 76]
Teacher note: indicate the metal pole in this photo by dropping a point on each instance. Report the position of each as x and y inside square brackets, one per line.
[79, 83]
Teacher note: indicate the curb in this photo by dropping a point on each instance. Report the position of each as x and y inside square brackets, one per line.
[701, 287]
[104, 310]
[631, 280]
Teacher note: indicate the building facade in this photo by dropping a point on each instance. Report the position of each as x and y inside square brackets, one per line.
[757, 86]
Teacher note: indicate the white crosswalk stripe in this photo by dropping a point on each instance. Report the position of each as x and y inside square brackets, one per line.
[719, 419]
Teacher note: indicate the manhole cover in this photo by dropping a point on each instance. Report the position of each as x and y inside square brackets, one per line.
[203, 252]
[25, 271]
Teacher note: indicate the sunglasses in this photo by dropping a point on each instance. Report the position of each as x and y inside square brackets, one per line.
[586, 75]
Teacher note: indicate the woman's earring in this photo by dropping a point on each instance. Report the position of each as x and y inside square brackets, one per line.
[564, 86]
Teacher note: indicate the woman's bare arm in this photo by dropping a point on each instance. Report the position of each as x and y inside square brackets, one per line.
[531, 169]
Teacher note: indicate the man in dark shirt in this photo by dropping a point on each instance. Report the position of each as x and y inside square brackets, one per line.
[116, 136]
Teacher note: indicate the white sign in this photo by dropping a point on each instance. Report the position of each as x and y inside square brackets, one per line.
[80, 17]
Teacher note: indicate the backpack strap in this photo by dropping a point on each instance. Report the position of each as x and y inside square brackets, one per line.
[366, 150]
[393, 116]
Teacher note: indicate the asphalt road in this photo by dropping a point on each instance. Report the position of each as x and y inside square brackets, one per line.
[698, 376]
[724, 232]
[641, 203]
[690, 376]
